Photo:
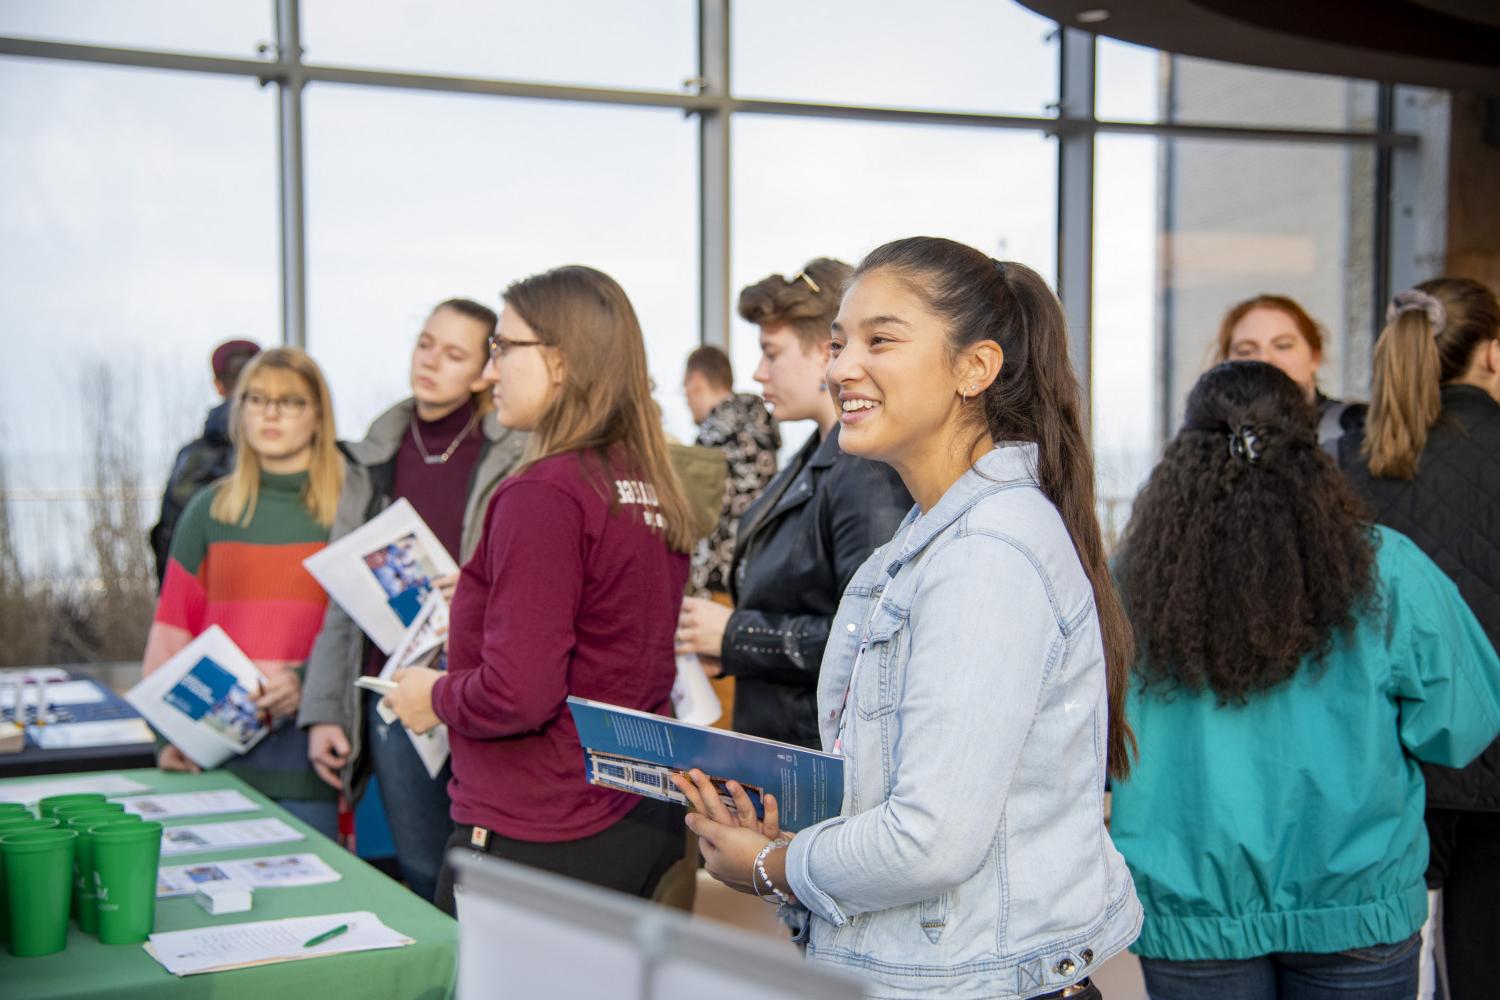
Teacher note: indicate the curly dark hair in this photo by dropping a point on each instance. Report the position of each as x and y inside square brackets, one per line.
[1247, 551]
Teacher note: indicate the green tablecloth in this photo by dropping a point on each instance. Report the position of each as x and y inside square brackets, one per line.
[89, 969]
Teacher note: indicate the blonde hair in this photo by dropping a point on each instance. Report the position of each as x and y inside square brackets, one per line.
[605, 396]
[1413, 358]
[236, 494]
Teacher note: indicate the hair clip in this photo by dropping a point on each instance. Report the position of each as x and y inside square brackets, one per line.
[1416, 299]
[803, 276]
[1245, 444]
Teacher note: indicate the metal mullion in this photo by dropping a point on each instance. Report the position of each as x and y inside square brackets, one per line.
[1234, 133]
[1075, 205]
[291, 174]
[137, 58]
[714, 169]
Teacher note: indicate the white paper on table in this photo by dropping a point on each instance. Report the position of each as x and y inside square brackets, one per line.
[195, 838]
[381, 572]
[280, 871]
[233, 946]
[179, 804]
[693, 697]
[419, 645]
[58, 693]
[102, 733]
[203, 699]
[33, 792]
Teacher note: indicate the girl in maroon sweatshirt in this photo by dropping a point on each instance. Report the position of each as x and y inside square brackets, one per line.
[574, 589]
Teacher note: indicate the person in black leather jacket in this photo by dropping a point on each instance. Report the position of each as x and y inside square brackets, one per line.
[1428, 462]
[802, 540]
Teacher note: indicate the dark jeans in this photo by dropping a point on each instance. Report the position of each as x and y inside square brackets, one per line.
[1465, 864]
[629, 857]
[416, 806]
[1384, 972]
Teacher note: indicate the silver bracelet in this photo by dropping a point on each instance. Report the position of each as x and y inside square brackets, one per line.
[760, 868]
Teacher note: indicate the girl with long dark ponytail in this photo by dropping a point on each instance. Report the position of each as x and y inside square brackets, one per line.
[978, 663]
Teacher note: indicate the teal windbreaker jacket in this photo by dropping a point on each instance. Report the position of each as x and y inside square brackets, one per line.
[1293, 823]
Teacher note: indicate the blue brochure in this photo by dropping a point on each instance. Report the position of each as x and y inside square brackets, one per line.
[635, 752]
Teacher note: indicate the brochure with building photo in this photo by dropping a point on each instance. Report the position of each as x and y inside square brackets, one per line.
[381, 572]
[196, 837]
[203, 700]
[636, 752]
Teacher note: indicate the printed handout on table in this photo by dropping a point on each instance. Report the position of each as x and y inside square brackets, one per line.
[100, 733]
[32, 792]
[179, 804]
[265, 942]
[198, 837]
[638, 752]
[60, 693]
[381, 572]
[203, 699]
[280, 871]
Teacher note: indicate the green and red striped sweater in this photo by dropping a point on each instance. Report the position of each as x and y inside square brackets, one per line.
[249, 580]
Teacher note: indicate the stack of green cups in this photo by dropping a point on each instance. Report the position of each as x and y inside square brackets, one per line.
[15, 824]
[80, 818]
[14, 810]
[50, 804]
[126, 858]
[39, 878]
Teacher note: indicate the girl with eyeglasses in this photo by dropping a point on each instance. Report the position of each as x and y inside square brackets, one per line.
[444, 451]
[573, 589]
[236, 562]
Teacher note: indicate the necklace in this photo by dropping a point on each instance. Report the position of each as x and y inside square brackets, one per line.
[441, 459]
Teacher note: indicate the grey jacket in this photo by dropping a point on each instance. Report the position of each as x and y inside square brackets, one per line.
[338, 655]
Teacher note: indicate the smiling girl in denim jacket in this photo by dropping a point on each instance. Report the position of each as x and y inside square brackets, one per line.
[975, 678]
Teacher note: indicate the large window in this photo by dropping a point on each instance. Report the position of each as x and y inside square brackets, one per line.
[809, 189]
[943, 54]
[141, 220]
[414, 198]
[137, 229]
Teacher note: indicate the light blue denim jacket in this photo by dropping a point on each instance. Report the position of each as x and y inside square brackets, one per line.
[971, 858]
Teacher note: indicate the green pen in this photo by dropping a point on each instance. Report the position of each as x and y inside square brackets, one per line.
[328, 935]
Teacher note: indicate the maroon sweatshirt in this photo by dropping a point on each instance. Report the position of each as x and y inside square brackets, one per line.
[572, 590]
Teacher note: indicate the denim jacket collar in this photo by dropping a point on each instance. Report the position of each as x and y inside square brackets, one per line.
[1011, 463]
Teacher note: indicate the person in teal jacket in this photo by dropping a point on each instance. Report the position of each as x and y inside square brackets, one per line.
[1296, 664]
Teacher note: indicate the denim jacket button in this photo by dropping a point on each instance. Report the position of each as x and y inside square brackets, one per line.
[1065, 967]
[1087, 955]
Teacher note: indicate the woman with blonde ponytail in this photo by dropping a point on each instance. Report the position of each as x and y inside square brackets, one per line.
[1429, 464]
[975, 678]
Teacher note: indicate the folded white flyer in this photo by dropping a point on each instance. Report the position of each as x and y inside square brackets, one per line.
[180, 804]
[235, 946]
[420, 645]
[32, 792]
[381, 572]
[693, 697]
[197, 837]
[281, 871]
[203, 699]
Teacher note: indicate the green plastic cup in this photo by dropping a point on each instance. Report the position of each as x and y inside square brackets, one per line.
[126, 858]
[15, 824]
[39, 875]
[70, 809]
[48, 806]
[84, 910]
[9, 810]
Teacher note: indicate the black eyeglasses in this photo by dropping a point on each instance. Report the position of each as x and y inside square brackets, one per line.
[292, 406]
[501, 346]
